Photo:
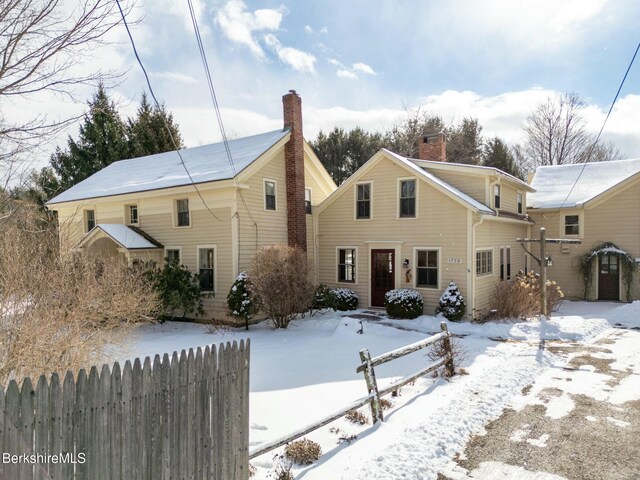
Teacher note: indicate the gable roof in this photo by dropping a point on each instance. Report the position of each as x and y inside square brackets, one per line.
[408, 164]
[206, 163]
[554, 183]
[474, 169]
[128, 237]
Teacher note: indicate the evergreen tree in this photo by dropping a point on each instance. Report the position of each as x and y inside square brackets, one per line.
[497, 154]
[147, 133]
[40, 187]
[402, 138]
[102, 141]
[464, 142]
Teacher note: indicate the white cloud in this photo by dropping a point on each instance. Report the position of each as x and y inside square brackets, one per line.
[239, 25]
[342, 73]
[364, 68]
[324, 30]
[335, 62]
[174, 76]
[297, 59]
[308, 29]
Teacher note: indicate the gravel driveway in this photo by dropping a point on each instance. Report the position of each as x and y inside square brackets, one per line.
[579, 421]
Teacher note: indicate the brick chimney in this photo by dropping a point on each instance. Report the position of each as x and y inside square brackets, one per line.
[294, 168]
[433, 147]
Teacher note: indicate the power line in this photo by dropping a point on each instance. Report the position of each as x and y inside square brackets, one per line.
[168, 128]
[595, 142]
[216, 106]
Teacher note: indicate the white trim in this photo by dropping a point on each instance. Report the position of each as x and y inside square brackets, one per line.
[85, 222]
[355, 200]
[415, 267]
[127, 214]
[215, 264]
[355, 265]
[522, 203]
[493, 260]
[264, 194]
[399, 181]
[174, 202]
[173, 247]
[305, 199]
[580, 215]
[397, 268]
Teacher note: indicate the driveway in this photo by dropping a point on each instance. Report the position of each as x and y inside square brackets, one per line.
[580, 420]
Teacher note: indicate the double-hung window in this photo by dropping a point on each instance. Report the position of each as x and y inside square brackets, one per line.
[269, 195]
[363, 201]
[182, 212]
[347, 265]
[505, 263]
[572, 224]
[172, 255]
[206, 261]
[484, 262]
[496, 196]
[519, 199]
[89, 219]
[407, 199]
[427, 269]
[132, 214]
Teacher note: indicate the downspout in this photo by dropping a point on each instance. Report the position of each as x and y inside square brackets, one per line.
[471, 277]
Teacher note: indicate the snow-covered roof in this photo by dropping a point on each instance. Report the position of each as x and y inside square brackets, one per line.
[126, 236]
[207, 163]
[411, 163]
[554, 183]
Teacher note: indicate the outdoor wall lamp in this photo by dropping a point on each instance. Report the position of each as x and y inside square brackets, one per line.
[405, 264]
[549, 262]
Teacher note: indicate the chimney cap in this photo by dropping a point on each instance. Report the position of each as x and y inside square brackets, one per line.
[292, 91]
[431, 136]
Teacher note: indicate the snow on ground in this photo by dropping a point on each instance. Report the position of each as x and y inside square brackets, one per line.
[301, 374]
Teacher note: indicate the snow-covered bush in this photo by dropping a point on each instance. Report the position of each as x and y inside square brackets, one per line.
[321, 299]
[452, 304]
[241, 300]
[342, 299]
[403, 303]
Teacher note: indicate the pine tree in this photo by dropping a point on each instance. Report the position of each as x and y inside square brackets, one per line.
[464, 142]
[102, 141]
[497, 154]
[147, 133]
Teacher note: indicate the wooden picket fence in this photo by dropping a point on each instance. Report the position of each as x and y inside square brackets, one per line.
[184, 417]
[373, 397]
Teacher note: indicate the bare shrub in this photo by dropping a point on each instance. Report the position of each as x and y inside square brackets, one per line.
[282, 470]
[386, 404]
[303, 452]
[281, 278]
[60, 313]
[520, 297]
[343, 436]
[356, 416]
[458, 355]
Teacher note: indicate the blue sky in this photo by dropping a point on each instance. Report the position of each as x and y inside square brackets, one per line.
[361, 62]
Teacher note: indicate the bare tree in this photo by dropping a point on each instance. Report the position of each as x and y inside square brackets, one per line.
[556, 135]
[403, 136]
[42, 43]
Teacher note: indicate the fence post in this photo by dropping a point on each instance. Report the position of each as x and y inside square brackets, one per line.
[372, 386]
[446, 341]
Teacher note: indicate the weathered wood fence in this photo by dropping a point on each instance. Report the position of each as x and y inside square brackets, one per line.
[184, 417]
[373, 398]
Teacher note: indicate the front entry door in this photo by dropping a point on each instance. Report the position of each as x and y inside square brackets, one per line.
[382, 276]
[609, 278]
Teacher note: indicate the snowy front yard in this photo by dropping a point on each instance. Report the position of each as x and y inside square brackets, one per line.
[301, 374]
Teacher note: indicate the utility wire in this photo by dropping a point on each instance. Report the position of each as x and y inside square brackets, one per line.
[595, 142]
[216, 107]
[168, 128]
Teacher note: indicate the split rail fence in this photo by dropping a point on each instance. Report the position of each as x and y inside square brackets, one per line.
[373, 397]
[184, 417]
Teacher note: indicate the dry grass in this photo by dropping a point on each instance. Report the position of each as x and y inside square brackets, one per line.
[303, 452]
[281, 278]
[520, 297]
[386, 404]
[356, 416]
[60, 313]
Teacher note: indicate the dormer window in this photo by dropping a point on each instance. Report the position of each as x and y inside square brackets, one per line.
[496, 197]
